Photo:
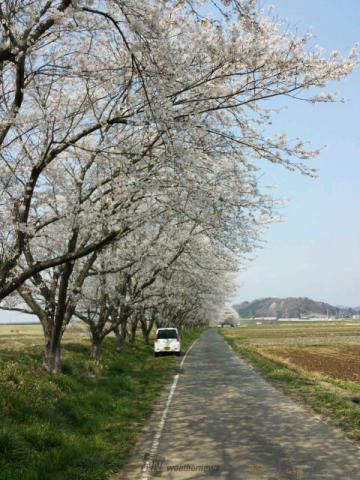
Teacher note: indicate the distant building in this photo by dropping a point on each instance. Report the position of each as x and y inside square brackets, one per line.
[266, 319]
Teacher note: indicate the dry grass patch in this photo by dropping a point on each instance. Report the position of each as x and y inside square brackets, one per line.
[19, 336]
[307, 340]
[297, 333]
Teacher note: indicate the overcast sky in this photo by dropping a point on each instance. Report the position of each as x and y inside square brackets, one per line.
[315, 251]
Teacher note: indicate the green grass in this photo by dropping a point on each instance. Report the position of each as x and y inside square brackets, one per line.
[332, 404]
[83, 423]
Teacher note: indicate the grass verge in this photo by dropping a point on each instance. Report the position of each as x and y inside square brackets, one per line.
[83, 423]
[335, 404]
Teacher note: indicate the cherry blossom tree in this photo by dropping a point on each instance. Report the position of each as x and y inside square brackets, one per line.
[176, 274]
[123, 120]
[158, 74]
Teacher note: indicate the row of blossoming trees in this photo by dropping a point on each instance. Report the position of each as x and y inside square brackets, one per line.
[131, 137]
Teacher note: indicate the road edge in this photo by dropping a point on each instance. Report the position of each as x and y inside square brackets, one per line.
[137, 466]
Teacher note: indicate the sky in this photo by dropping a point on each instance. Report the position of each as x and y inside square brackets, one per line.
[315, 251]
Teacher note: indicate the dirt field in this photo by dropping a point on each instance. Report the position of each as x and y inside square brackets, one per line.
[330, 349]
[338, 361]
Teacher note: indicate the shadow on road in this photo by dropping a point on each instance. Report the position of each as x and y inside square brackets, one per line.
[227, 422]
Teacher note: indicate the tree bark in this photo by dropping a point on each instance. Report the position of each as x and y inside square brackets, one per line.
[133, 329]
[146, 327]
[96, 348]
[120, 334]
[145, 336]
[46, 360]
[52, 356]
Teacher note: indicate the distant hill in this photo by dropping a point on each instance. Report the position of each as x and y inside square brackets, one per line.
[289, 308]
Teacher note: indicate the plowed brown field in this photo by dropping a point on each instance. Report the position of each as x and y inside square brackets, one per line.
[338, 361]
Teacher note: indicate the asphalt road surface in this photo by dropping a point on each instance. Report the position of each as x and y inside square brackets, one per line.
[226, 422]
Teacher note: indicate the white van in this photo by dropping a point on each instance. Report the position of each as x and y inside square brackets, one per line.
[167, 341]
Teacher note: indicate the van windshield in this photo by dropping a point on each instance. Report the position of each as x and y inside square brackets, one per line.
[167, 334]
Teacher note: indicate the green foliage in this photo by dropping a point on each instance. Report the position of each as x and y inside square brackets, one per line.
[80, 424]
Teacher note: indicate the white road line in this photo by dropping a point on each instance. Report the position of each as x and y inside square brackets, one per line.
[146, 473]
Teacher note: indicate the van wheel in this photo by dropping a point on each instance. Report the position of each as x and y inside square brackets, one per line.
[178, 354]
[156, 354]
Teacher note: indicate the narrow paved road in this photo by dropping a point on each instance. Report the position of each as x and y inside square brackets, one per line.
[226, 422]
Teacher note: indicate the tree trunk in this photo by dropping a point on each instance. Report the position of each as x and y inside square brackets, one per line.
[146, 327]
[52, 356]
[133, 329]
[145, 336]
[120, 334]
[53, 362]
[120, 331]
[52, 346]
[47, 342]
[96, 348]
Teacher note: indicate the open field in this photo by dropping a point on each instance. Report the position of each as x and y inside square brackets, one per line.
[334, 361]
[18, 336]
[82, 423]
[307, 333]
[317, 364]
[329, 349]
[332, 349]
